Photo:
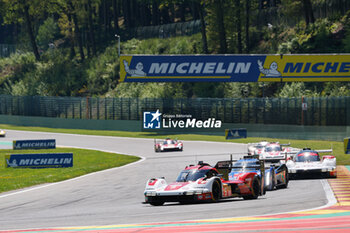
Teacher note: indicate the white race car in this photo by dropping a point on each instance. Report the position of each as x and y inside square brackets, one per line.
[274, 150]
[257, 148]
[203, 183]
[168, 145]
[2, 133]
[308, 161]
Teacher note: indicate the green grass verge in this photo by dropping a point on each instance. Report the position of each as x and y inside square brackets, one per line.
[338, 147]
[85, 161]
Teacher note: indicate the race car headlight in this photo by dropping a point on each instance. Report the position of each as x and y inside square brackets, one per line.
[292, 170]
[324, 169]
[189, 193]
[150, 193]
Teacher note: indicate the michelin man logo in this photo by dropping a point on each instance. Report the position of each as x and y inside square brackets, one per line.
[151, 120]
[137, 72]
[271, 72]
[13, 164]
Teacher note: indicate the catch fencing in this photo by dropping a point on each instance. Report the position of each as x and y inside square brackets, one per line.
[325, 111]
[166, 30]
[7, 49]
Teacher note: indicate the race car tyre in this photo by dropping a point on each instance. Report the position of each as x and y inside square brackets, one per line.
[292, 176]
[264, 191]
[183, 202]
[216, 191]
[156, 203]
[255, 190]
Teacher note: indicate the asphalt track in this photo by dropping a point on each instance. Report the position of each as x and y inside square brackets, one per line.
[115, 196]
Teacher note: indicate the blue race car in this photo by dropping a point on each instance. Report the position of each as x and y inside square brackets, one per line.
[275, 173]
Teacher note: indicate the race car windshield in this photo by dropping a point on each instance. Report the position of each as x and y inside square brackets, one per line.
[244, 167]
[259, 147]
[307, 157]
[168, 142]
[273, 149]
[191, 175]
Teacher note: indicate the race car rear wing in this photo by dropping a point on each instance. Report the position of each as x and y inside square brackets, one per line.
[292, 153]
[162, 140]
[278, 161]
[325, 151]
[224, 167]
[285, 144]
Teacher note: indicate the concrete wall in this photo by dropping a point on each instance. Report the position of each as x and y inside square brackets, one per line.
[334, 133]
[122, 125]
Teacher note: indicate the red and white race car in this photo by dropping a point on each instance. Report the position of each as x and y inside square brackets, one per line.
[203, 182]
[257, 148]
[168, 145]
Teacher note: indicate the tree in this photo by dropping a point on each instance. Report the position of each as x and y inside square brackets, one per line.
[73, 11]
[200, 8]
[295, 89]
[155, 12]
[47, 33]
[203, 31]
[221, 26]
[91, 28]
[309, 15]
[115, 16]
[238, 25]
[19, 11]
[247, 16]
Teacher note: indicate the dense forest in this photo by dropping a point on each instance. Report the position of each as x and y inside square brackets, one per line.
[69, 47]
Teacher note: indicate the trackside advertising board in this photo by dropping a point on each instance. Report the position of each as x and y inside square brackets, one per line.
[34, 144]
[235, 133]
[52, 160]
[347, 145]
[235, 68]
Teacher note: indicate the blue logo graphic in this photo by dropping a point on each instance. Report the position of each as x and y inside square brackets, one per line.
[152, 120]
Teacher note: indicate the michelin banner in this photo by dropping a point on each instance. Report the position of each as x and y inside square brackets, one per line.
[34, 144]
[52, 160]
[235, 68]
[347, 145]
